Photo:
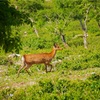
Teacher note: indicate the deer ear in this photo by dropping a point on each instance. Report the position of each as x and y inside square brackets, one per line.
[54, 44]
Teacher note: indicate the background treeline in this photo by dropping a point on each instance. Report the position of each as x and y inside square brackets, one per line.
[51, 20]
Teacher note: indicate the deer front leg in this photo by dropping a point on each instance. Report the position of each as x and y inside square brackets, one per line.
[48, 64]
[46, 68]
[51, 67]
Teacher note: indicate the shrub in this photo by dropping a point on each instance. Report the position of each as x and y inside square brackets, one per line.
[47, 86]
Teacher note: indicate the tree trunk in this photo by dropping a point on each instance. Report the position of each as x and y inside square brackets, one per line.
[36, 32]
[84, 28]
[85, 40]
[63, 38]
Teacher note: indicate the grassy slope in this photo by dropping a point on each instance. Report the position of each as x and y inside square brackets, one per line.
[25, 79]
[78, 65]
[12, 87]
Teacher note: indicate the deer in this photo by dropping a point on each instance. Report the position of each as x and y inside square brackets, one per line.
[42, 58]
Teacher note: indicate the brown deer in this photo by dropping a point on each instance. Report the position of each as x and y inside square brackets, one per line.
[43, 58]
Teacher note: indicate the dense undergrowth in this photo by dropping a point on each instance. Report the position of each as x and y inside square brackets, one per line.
[77, 76]
[62, 84]
[59, 85]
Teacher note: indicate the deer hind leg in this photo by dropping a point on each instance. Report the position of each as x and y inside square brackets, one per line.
[26, 69]
[46, 68]
[23, 65]
[20, 69]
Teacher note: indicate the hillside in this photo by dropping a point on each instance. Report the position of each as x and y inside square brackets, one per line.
[34, 26]
[77, 76]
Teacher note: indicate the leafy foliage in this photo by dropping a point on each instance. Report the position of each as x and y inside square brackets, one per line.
[38, 14]
[62, 89]
[33, 26]
[9, 17]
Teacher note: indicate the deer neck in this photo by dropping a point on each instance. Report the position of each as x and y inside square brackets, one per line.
[53, 52]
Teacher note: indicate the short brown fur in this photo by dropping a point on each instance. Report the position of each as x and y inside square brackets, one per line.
[42, 58]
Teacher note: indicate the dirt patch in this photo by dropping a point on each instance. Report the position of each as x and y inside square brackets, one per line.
[83, 74]
[22, 84]
[18, 85]
[79, 77]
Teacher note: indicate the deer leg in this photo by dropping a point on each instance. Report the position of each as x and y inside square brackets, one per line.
[28, 72]
[26, 69]
[51, 67]
[20, 69]
[23, 65]
[46, 68]
[47, 64]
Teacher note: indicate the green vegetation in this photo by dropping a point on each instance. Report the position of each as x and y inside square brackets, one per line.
[33, 26]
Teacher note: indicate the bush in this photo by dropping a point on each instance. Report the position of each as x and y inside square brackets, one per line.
[47, 86]
[59, 89]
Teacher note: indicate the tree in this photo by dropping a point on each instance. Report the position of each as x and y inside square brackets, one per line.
[81, 10]
[86, 9]
[10, 16]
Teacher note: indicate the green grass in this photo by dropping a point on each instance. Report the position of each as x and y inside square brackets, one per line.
[45, 83]
[36, 76]
[77, 77]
